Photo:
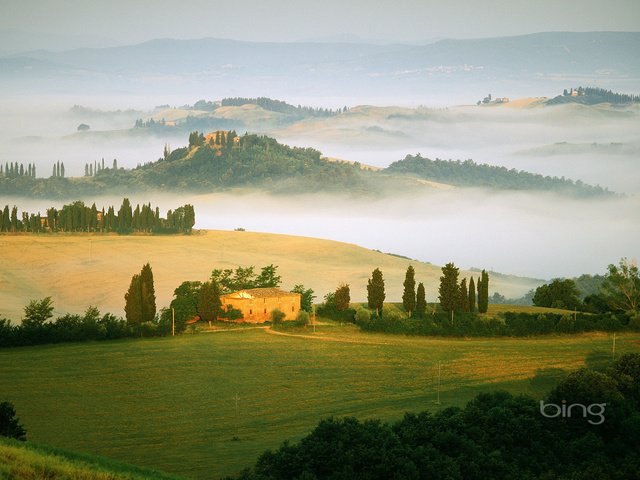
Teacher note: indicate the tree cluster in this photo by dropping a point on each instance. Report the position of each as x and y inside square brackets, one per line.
[281, 107]
[458, 296]
[15, 170]
[58, 170]
[469, 173]
[242, 278]
[140, 299]
[618, 291]
[595, 95]
[92, 169]
[496, 435]
[78, 217]
[37, 328]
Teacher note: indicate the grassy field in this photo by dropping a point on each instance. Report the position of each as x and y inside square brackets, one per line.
[28, 461]
[170, 404]
[82, 270]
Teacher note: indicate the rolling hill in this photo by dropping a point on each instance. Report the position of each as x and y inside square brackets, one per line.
[25, 460]
[263, 164]
[78, 270]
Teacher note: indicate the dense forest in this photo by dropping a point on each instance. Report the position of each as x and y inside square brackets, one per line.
[78, 217]
[470, 174]
[593, 96]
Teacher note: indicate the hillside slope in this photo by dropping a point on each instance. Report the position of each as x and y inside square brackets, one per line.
[28, 461]
[78, 270]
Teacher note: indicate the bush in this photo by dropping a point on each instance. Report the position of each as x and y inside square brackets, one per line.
[9, 424]
[277, 316]
[302, 319]
[634, 323]
[362, 316]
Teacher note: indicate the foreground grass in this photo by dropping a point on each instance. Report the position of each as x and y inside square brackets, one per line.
[27, 461]
[170, 403]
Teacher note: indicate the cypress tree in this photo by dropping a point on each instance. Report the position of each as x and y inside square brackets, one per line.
[483, 293]
[147, 294]
[14, 219]
[472, 295]
[209, 305]
[409, 293]
[463, 296]
[62, 169]
[375, 291]
[421, 302]
[133, 302]
[342, 297]
[6, 219]
[448, 290]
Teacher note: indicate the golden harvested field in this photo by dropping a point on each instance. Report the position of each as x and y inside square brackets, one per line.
[78, 270]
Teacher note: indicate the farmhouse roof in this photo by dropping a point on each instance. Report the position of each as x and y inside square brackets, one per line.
[260, 293]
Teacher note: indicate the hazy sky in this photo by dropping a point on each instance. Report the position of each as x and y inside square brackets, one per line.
[127, 21]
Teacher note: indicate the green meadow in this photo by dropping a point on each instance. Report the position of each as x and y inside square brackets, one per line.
[170, 403]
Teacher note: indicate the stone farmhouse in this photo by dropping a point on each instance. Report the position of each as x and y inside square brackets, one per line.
[256, 304]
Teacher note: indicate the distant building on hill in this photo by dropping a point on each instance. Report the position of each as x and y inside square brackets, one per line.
[256, 304]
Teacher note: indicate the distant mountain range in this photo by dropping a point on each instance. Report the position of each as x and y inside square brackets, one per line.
[322, 67]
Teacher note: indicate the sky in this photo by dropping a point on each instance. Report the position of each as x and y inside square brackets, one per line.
[132, 21]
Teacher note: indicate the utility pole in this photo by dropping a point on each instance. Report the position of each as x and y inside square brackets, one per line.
[313, 318]
[173, 322]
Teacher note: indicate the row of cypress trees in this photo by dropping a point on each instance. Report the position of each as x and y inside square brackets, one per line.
[458, 296]
[78, 217]
[15, 169]
[454, 296]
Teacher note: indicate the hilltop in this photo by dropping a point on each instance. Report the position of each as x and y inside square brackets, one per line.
[222, 161]
[97, 268]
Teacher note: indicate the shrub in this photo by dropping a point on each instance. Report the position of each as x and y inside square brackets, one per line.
[362, 316]
[9, 424]
[302, 319]
[277, 316]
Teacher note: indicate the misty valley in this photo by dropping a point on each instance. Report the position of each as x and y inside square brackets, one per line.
[319, 259]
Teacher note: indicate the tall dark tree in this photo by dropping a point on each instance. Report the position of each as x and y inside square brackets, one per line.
[14, 219]
[409, 292]
[421, 301]
[6, 219]
[209, 305]
[133, 301]
[147, 294]
[472, 295]
[483, 292]
[342, 297]
[375, 291]
[448, 290]
[463, 296]
[9, 424]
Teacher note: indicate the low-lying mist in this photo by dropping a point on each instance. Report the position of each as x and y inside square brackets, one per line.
[528, 234]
